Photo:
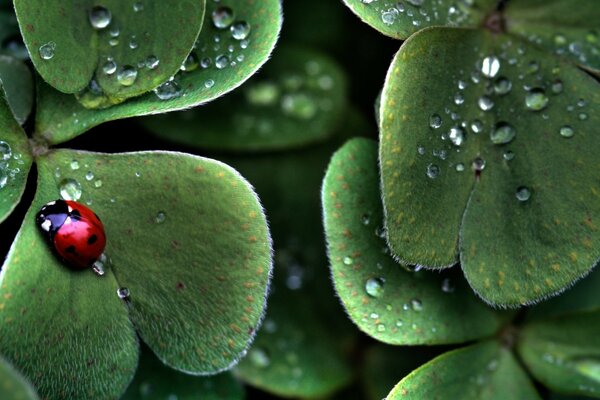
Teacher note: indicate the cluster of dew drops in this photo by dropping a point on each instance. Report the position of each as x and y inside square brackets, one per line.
[439, 10]
[223, 19]
[536, 98]
[9, 164]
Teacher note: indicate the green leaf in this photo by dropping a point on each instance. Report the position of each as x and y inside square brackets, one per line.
[521, 238]
[386, 300]
[566, 28]
[17, 84]
[11, 42]
[15, 161]
[384, 366]
[155, 381]
[60, 117]
[70, 42]
[12, 384]
[191, 248]
[297, 99]
[483, 371]
[401, 19]
[564, 352]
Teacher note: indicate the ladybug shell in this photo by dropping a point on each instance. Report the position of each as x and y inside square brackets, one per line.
[75, 231]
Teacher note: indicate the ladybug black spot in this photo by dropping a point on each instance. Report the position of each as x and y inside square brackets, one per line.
[71, 249]
[92, 239]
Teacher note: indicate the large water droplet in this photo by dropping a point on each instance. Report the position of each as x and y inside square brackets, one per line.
[240, 30]
[503, 133]
[536, 99]
[523, 193]
[432, 171]
[490, 66]
[566, 131]
[222, 17]
[99, 17]
[127, 75]
[70, 189]
[47, 50]
[435, 121]
[456, 135]
[375, 287]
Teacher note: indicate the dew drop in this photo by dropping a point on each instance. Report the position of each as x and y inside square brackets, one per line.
[240, 30]
[191, 63]
[503, 133]
[168, 90]
[127, 75]
[109, 67]
[566, 131]
[536, 99]
[433, 171]
[152, 62]
[478, 164]
[299, 105]
[123, 293]
[435, 121]
[477, 126]
[209, 83]
[523, 193]
[509, 155]
[47, 50]
[70, 189]
[416, 304]
[259, 357]
[502, 86]
[222, 17]
[160, 217]
[447, 286]
[583, 116]
[89, 176]
[485, 103]
[5, 150]
[375, 287]
[99, 17]
[490, 66]
[557, 87]
[456, 135]
[138, 6]
[347, 260]
[460, 167]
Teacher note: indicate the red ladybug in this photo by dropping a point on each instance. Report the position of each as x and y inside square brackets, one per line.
[75, 231]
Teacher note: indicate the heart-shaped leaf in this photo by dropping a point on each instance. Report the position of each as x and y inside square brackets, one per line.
[481, 168]
[209, 73]
[12, 384]
[15, 161]
[120, 49]
[190, 255]
[17, 84]
[483, 371]
[400, 19]
[153, 380]
[384, 299]
[565, 28]
[297, 99]
[564, 352]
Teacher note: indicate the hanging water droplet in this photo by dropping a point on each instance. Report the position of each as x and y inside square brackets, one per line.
[502, 86]
[259, 357]
[509, 155]
[478, 164]
[536, 99]
[240, 30]
[99, 17]
[127, 75]
[168, 90]
[456, 135]
[347, 260]
[485, 103]
[191, 63]
[477, 126]
[5, 150]
[109, 67]
[523, 193]
[160, 217]
[566, 131]
[152, 62]
[432, 171]
[447, 286]
[490, 66]
[123, 293]
[375, 287]
[222, 17]
[47, 50]
[503, 133]
[416, 304]
[435, 121]
[70, 189]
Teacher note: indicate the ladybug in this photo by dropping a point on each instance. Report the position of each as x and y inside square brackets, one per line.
[75, 232]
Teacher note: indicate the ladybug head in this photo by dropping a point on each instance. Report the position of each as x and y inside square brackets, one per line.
[52, 216]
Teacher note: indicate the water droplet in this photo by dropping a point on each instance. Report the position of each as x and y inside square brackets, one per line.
[168, 90]
[5, 150]
[160, 217]
[74, 165]
[435, 121]
[485, 103]
[127, 75]
[240, 30]
[490, 66]
[380, 328]
[89, 176]
[70, 189]
[503, 133]
[536, 99]
[259, 357]
[416, 3]
[458, 99]
[299, 105]
[416, 304]
[502, 86]
[133, 44]
[560, 39]
[152, 62]
[47, 50]
[389, 17]
[523, 193]
[557, 87]
[462, 85]
[375, 287]
[478, 164]
[209, 83]
[366, 219]
[98, 183]
[123, 293]
[347, 260]
[222, 17]
[456, 135]
[460, 167]
[509, 155]
[447, 286]
[138, 6]
[566, 131]
[476, 126]
[583, 116]
[221, 61]
[99, 17]
[433, 171]
[533, 67]
[191, 63]
[109, 67]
